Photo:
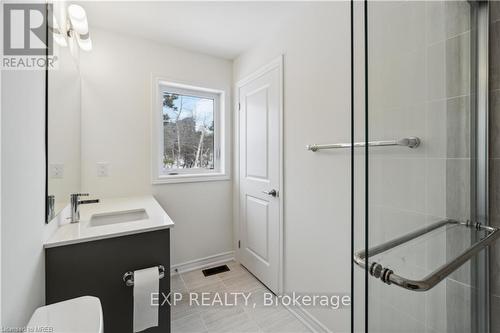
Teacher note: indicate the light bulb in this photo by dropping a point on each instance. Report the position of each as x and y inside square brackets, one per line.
[85, 43]
[78, 19]
[60, 40]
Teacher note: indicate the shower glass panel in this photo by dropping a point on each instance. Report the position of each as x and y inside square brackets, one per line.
[418, 79]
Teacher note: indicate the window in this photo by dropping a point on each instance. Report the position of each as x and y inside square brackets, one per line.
[189, 135]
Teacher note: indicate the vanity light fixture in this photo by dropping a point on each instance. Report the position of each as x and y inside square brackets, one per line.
[76, 29]
[78, 19]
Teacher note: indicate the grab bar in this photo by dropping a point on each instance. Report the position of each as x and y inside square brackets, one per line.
[128, 277]
[410, 142]
[388, 276]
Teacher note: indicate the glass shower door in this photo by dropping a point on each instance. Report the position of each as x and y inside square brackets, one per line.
[416, 205]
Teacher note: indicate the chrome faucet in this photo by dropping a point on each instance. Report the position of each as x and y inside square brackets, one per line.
[75, 205]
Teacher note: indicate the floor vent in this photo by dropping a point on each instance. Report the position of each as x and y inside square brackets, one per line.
[215, 270]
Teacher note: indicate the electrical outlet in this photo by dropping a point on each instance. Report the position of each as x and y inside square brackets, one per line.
[57, 170]
[102, 169]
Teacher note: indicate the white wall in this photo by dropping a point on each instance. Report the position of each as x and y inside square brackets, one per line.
[116, 128]
[23, 195]
[316, 48]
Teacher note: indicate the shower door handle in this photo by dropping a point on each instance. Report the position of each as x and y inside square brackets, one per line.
[272, 193]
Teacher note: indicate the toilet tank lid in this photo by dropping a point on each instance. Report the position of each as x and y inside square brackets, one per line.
[77, 315]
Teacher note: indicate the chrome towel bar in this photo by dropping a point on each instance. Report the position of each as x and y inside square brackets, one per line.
[410, 142]
[390, 276]
[128, 277]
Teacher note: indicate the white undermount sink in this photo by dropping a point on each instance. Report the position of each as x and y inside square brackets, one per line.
[118, 217]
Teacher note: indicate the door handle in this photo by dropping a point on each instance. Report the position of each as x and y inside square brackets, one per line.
[272, 193]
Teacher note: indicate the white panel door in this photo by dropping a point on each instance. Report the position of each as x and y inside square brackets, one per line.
[259, 148]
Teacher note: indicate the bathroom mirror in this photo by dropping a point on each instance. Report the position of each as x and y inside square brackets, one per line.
[63, 126]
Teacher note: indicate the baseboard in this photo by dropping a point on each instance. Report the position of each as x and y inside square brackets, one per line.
[202, 262]
[308, 319]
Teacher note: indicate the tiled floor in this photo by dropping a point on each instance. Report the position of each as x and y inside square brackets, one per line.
[253, 317]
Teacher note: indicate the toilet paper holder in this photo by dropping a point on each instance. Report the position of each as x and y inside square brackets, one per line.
[128, 277]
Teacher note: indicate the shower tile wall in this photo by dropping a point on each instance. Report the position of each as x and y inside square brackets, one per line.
[494, 167]
[419, 86]
[459, 291]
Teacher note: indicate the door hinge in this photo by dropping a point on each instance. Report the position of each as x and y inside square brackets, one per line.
[239, 244]
[239, 106]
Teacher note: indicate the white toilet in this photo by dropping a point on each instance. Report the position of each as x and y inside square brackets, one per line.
[77, 315]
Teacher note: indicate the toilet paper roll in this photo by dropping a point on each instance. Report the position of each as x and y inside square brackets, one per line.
[146, 286]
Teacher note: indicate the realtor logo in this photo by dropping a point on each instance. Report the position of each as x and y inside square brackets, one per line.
[27, 44]
[25, 29]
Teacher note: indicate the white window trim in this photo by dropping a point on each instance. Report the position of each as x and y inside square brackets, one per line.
[220, 135]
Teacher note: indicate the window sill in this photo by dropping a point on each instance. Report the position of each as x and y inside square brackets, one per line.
[190, 178]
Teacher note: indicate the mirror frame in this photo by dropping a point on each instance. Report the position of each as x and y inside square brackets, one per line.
[46, 217]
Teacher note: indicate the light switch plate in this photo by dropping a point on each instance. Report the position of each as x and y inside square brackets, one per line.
[56, 170]
[102, 169]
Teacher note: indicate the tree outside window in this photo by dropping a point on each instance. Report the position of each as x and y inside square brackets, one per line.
[188, 132]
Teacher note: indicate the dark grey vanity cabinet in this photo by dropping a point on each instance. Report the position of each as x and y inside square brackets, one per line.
[96, 268]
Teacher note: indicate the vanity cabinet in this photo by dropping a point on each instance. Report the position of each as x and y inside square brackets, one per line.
[96, 268]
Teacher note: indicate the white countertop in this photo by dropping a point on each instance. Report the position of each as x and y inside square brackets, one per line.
[82, 231]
